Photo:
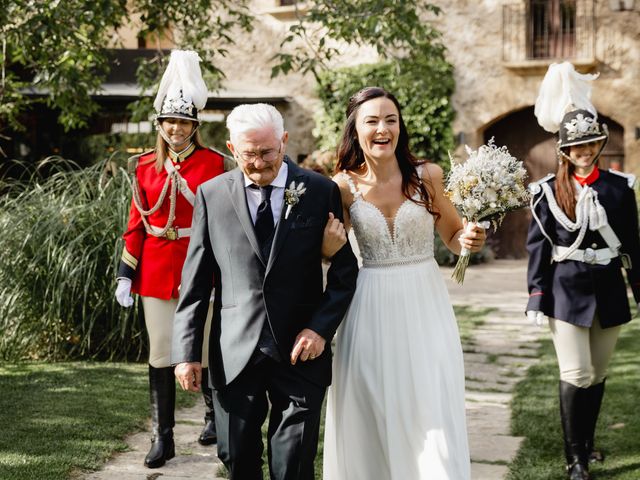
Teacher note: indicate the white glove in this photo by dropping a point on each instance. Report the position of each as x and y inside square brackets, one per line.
[123, 292]
[535, 317]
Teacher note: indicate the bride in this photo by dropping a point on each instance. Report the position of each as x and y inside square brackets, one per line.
[396, 407]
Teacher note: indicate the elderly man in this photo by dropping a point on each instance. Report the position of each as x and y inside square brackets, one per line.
[257, 238]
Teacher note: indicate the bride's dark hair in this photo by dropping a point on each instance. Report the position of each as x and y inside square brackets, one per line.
[351, 157]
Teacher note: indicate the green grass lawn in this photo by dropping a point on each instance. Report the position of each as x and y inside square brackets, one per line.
[59, 418]
[536, 417]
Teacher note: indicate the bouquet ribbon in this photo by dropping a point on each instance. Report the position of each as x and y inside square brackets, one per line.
[465, 253]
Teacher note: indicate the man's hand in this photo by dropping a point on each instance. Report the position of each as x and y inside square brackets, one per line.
[335, 236]
[189, 375]
[308, 346]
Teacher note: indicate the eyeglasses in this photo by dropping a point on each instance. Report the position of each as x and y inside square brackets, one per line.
[269, 155]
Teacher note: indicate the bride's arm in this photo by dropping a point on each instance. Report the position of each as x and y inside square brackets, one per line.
[347, 198]
[449, 225]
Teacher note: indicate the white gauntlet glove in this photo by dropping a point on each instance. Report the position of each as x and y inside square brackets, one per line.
[535, 317]
[123, 292]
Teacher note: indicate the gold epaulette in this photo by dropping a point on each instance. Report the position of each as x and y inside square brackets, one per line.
[630, 177]
[228, 160]
[132, 162]
[535, 187]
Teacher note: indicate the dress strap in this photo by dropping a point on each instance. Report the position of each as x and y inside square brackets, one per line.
[418, 193]
[353, 188]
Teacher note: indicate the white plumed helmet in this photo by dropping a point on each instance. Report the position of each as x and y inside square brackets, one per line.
[182, 92]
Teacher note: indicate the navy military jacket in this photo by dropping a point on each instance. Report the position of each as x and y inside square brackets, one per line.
[575, 291]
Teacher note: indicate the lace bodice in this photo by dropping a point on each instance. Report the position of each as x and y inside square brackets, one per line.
[409, 239]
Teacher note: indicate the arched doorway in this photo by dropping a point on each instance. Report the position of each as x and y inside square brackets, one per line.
[528, 142]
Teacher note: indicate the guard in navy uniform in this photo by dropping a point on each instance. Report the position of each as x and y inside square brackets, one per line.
[584, 231]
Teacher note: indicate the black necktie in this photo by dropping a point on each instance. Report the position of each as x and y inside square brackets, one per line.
[264, 220]
[264, 232]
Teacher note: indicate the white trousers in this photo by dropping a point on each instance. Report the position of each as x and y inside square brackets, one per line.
[583, 353]
[158, 317]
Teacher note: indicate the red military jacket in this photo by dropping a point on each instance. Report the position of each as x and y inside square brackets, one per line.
[155, 263]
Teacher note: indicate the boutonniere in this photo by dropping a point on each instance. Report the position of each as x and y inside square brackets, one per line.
[292, 196]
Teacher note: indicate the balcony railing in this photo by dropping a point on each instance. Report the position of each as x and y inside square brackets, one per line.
[535, 32]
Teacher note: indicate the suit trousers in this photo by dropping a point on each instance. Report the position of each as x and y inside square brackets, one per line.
[583, 353]
[158, 318]
[294, 421]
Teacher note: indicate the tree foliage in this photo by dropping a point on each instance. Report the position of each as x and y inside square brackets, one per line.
[58, 48]
[423, 89]
[395, 29]
[413, 66]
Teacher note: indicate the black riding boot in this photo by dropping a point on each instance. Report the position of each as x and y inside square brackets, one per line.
[572, 411]
[594, 401]
[162, 388]
[208, 435]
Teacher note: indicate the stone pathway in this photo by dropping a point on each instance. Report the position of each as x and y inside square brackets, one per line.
[192, 460]
[495, 360]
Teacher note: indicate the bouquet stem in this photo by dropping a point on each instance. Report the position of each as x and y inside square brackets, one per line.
[461, 266]
[465, 253]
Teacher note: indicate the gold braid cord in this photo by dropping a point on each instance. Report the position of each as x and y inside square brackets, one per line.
[135, 187]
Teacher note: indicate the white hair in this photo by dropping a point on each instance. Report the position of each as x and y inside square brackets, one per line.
[256, 116]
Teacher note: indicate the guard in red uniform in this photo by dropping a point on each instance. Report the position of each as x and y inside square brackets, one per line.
[164, 185]
[584, 232]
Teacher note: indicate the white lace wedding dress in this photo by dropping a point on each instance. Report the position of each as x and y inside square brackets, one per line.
[396, 405]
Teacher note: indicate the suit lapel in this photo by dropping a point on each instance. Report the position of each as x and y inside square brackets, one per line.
[297, 175]
[239, 202]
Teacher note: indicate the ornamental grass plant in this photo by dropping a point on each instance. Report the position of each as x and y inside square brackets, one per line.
[60, 244]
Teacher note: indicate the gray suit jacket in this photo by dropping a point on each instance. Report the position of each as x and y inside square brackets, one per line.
[286, 290]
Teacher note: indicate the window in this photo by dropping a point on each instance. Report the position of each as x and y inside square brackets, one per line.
[284, 3]
[552, 29]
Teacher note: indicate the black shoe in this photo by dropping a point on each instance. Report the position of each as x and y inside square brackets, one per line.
[162, 449]
[577, 471]
[208, 435]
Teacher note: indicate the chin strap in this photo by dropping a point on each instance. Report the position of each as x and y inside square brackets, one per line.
[166, 138]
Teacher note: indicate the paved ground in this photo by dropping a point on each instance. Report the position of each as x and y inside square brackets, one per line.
[495, 360]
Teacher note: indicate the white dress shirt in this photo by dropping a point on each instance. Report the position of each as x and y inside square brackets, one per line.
[277, 194]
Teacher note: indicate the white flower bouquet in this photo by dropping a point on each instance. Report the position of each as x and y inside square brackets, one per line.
[484, 188]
